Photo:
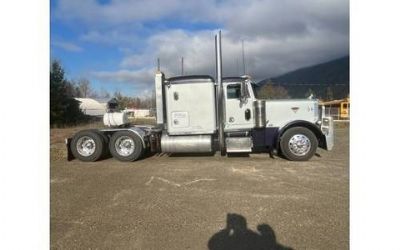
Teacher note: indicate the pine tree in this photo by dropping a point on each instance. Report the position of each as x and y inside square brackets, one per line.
[64, 109]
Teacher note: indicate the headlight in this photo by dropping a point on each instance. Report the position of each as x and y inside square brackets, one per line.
[325, 122]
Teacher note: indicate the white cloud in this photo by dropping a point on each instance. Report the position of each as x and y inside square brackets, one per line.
[113, 37]
[138, 77]
[67, 46]
[282, 19]
[128, 11]
[251, 17]
[197, 48]
[279, 35]
[265, 57]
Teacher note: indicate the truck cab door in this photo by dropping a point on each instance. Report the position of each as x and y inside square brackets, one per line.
[239, 112]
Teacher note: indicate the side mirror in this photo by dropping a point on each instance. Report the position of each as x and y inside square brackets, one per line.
[244, 92]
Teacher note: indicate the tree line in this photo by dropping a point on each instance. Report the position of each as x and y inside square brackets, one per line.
[325, 92]
[144, 102]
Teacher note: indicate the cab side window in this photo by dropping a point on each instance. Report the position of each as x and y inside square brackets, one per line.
[233, 91]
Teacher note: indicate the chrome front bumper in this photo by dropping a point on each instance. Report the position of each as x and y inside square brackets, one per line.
[328, 129]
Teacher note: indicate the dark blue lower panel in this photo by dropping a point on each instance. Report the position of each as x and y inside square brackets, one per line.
[264, 137]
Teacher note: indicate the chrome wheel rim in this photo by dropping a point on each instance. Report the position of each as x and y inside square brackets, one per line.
[86, 146]
[125, 145]
[299, 145]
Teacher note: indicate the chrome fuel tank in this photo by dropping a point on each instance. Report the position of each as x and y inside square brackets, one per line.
[186, 144]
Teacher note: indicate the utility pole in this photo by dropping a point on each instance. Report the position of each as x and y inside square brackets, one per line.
[244, 63]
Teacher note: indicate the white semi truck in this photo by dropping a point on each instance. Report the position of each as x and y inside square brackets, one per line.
[196, 114]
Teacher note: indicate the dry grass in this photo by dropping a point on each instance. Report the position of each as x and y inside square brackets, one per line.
[342, 124]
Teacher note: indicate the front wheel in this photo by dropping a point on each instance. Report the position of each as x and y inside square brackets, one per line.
[298, 144]
[126, 146]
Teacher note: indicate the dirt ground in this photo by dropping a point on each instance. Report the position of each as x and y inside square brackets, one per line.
[188, 202]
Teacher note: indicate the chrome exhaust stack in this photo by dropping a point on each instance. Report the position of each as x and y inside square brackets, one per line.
[220, 96]
[160, 114]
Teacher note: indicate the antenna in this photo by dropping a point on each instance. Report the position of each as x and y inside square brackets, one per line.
[216, 62]
[158, 64]
[244, 64]
[182, 66]
[237, 66]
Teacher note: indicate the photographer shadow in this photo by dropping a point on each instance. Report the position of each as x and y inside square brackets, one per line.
[236, 236]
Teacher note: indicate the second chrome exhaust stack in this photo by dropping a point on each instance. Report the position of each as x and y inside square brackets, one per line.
[220, 96]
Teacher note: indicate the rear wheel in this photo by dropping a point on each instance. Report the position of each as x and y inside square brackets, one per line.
[88, 145]
[126, 146]
[298, 144]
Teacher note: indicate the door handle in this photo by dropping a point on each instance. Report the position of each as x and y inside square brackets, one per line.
[247, 114]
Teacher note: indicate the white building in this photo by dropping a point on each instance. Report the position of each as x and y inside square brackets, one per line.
[91, 107]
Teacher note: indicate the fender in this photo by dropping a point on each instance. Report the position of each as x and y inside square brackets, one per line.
[138, 131]
[306, 124]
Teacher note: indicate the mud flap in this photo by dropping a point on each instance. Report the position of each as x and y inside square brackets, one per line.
[70, 156]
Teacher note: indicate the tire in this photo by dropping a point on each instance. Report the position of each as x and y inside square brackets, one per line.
[106, 153]
[132, 148]
[88, 145]
[298, 144]
[106, 139]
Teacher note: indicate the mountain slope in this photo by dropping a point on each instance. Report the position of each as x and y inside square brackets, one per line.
[332, 72]
[326, 80]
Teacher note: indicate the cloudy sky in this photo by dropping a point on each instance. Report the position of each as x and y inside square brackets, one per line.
[116, 43]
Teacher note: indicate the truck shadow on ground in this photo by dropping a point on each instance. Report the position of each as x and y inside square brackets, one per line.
[236, 236]
[191, 154]
[149, 154]
[107, 156]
